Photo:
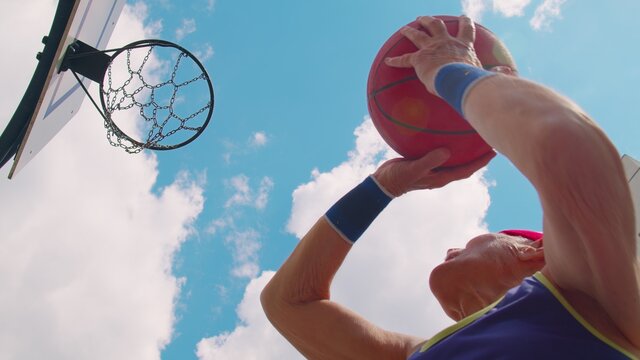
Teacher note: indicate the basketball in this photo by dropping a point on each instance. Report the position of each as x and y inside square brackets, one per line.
[413, 121]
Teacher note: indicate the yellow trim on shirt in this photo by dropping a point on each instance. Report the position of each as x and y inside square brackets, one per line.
[457, 326]
[549, 285]
[554, 291]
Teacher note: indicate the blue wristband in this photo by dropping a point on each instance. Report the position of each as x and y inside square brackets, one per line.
[454, 80]
[355, 211]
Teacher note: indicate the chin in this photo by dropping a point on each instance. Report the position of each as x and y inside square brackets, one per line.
[442, 290]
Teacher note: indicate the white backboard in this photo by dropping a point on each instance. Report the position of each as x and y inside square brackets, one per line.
[92, 21]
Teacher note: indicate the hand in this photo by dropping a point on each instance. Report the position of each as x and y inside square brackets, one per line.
[437, 48]
[399, 176]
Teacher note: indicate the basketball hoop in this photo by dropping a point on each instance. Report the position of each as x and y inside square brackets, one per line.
[143, 98]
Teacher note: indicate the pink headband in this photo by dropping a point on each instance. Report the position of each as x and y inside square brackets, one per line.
[529, 234]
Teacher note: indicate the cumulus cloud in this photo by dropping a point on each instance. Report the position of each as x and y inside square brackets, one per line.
[244, 195]
[385, 276]
[149, 29]
[544, 13]
[242, 241]
[266, 184]
[266, 343]
[510, 8]
[204, 53]
[188, 27]
[473, 8]
[245, 247]
[258, 139]
[217, 225]
[87, 242]
[211, 5]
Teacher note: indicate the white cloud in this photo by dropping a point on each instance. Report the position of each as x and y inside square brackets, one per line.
[205, 53]
[217, 225]
[211, 5]
[385, 276]
[248, 269]
[245, 246]
[266, 184]
[541, 19]
[545, 12]
[258, 139]
[87, 244]
[243, 242]
[244, 195]
[510, 8]
[255, 141]
[266, 343]
[150, 29]
[474, 8]
[188, 27]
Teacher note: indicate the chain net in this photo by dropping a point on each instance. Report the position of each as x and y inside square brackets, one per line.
[141, 111]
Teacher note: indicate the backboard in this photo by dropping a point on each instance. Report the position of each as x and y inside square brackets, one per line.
[632, 171]
[54, 97]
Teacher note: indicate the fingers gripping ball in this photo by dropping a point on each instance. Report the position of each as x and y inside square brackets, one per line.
[413, 121]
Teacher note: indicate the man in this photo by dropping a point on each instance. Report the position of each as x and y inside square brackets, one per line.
[584, 299]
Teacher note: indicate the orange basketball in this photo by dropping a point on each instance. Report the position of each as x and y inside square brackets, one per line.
[413, 121]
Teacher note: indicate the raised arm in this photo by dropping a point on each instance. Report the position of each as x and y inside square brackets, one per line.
[297, 300]
[588, 215]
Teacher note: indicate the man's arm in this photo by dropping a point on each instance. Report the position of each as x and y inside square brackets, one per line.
[297, 299]
[588, 214]
[297, 302]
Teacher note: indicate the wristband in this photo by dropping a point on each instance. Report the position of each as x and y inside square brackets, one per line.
[355, 211]
[453, 82]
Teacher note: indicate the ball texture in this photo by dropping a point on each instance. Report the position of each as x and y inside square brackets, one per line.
[413, 121]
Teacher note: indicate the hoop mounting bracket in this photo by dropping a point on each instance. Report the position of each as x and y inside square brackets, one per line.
[86, 61]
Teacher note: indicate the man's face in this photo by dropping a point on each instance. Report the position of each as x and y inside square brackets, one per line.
[474, 277]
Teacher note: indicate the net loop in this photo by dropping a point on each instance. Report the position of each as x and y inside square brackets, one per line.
[163, 122]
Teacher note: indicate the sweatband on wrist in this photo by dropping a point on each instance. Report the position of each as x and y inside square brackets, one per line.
[453, 82]
[356, 210]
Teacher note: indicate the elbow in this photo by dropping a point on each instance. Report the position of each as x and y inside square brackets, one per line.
[268, 300]
[274, 304]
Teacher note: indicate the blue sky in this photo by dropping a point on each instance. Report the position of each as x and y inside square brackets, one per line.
[163, 255]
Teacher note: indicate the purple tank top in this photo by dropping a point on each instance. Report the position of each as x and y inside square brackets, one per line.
[529, 322]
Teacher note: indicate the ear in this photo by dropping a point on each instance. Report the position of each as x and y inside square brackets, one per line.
[530, 253]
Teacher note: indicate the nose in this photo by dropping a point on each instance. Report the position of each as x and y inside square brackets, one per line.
[452, 253]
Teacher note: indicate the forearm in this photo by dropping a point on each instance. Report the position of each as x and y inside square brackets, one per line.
[307, 274]
[297, 303]
[527, 122]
